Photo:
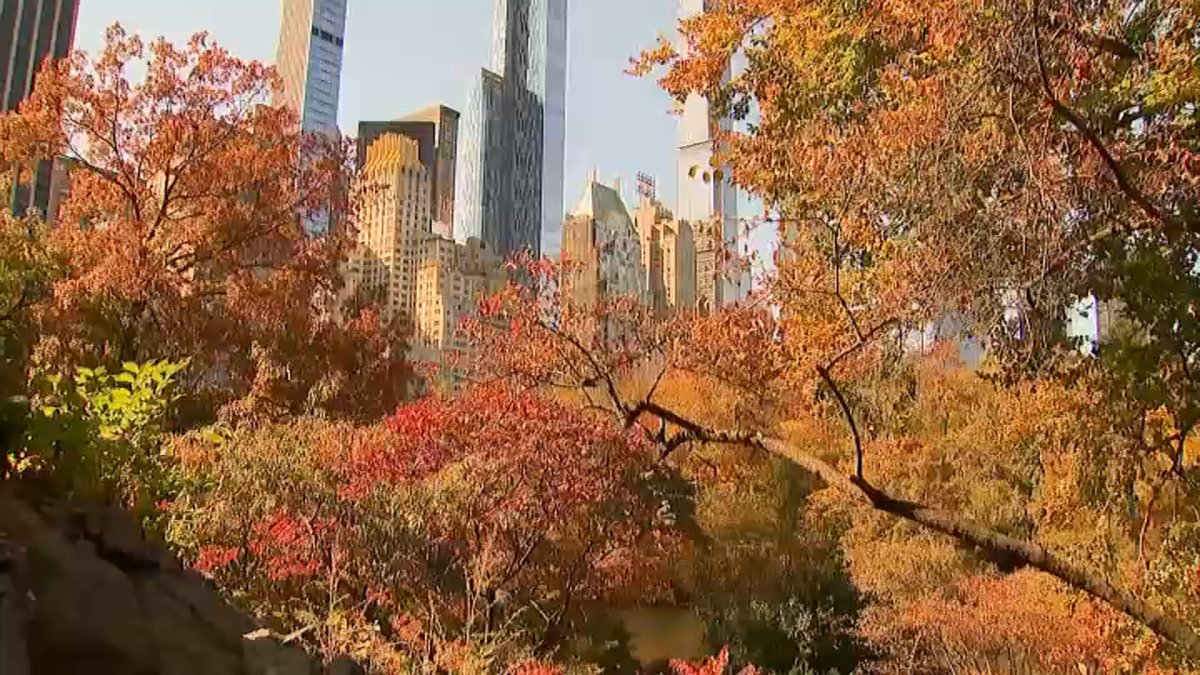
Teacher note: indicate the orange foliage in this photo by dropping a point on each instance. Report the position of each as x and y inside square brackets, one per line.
[183, 231]
[716, 665]
[1027, 620]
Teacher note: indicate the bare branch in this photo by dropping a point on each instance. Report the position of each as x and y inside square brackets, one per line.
[849, 415]
[863, 342]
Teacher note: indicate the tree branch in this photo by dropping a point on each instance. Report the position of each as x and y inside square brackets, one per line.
[23, 301]
[849, 415]
[959, 527]
[1124, 181]
[863, 342]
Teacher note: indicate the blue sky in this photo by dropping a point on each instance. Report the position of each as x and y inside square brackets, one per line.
[402, 55]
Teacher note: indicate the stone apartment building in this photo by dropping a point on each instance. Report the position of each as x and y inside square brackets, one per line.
[451, 280]
[668, 257]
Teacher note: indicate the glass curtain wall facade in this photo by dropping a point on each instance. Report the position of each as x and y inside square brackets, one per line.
[32, 31]
[513, 142]
[309, 59]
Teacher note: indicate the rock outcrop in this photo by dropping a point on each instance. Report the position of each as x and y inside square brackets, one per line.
[81, 591]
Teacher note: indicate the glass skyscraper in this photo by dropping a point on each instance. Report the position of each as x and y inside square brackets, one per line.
[309, 60]
[514, 133]
[32, 31]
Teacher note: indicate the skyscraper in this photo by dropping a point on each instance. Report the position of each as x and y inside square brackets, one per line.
[707, 198]
[32, 31]
[435, 130]
[309, 60]
[668, 253]
[394, 223]
[511, 171]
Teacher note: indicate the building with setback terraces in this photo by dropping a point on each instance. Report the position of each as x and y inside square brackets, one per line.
[393, 226]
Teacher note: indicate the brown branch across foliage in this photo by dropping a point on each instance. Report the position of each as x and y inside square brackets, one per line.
[590, 369]
[957, 526]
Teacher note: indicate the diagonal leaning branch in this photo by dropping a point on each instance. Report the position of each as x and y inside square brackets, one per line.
[956, 526]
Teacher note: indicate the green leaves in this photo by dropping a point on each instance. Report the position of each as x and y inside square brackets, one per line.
[97, 433]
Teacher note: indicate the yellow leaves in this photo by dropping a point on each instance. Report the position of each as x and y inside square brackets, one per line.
[661, 54]
[887, 567]
[1024, 618]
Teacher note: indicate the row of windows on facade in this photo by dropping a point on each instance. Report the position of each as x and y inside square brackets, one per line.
[324, 81]
[328, 37]
[318, 106]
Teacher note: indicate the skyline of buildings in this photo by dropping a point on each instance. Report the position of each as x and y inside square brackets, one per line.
[514, 134]
[30, 32]
[501, 196]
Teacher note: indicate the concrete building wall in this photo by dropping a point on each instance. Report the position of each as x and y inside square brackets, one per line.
[679, 266]
[603, 240]
[445, 167]
[452, 280]
[707, 198]
[712, 285]
[650, 235]
[435, 130]
[668, 258]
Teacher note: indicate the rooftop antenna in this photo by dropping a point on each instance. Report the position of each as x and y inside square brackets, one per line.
[646, 187]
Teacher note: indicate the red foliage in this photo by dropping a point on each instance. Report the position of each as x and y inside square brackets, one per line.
[449, 519]
[183, 235]
[212, 558]
[537, 668]
[716, 665]
[292, 545]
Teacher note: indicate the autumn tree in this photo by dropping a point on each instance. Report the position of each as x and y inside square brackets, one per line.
[459, 533]
[183, 232]
[990, 164]
[27, 272]
[981, 166]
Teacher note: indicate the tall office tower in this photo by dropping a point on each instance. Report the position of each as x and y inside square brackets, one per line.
[445, 164]
[435, 130]
[309, 60]
[707, 199]
[511, 173]
[32, 31]
[393, 226]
